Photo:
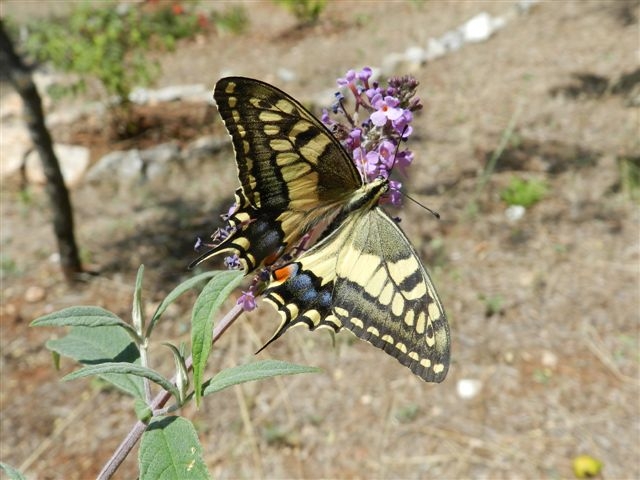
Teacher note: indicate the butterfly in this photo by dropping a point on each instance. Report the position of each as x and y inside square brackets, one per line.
[362, 274]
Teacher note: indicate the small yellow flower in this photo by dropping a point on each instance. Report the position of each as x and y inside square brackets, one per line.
[585, 466]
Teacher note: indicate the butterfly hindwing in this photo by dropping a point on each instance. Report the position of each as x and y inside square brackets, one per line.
[366, 277]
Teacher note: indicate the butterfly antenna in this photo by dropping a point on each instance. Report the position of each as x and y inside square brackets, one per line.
[406, 195]
[432, 212]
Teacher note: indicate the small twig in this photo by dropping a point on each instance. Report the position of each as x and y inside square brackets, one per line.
[595, 345]
[158, 402]
[493, 161]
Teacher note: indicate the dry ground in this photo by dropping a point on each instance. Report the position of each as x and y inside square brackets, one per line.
[557, 354]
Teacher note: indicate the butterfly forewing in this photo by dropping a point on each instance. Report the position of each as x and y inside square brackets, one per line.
[285, 189]
[288, 162]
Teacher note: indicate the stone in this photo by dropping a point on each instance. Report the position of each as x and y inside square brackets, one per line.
[468, 388]
[73, 160]
[116, 166]
[158, 159]
[34, 294]
[14, 145]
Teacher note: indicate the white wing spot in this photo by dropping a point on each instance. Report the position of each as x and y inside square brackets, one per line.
[280, 145]
[387, 338]
[269, 116]
[386, 295]
[333, 320]
[271, 129]
[314, 316]
[403, 268]
[286, 106]
[377, 282]
[417, 292]
[434, 311]
[341, 311]
[397, 306]
[409, 318]
[357, 322]
[292, 310]
[421, 323]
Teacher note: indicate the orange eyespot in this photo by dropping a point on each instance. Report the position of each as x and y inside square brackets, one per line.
[284, 273]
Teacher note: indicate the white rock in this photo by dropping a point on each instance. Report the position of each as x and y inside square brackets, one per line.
[73, 160]
[14, 145]
[452, 40]
[549, 359]
[286, 75]
[10, 106]
[158, 159]
[34, 294]
[435, 49]
[477, 29]
[468, 388]
[515, 212]
[117, 166]
[415, 55]
[196, 92]
[205, 147]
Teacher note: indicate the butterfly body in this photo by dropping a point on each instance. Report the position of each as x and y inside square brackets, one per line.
[362, 273]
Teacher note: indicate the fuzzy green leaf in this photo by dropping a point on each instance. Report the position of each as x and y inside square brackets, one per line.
[125, 369]
[254, 371]
[207, 304]
[12, 472]
[176, 293]
[137, 317]
[170, 450]
[91, 346]
[81, 317]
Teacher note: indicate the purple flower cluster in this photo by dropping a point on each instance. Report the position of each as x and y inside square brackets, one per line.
[374, 142]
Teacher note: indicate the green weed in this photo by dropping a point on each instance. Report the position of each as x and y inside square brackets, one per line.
[524, 192]
[307, 12]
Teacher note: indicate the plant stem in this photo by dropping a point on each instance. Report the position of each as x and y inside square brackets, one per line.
[158, 402]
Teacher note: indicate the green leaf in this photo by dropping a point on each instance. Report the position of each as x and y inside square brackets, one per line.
[13, 473]
[207, 304]
[254, 371]
[81, 317]
[176, 293]
[137, 318]
[170, 450]
[127, 369]
[182, 373]
[91, 346]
